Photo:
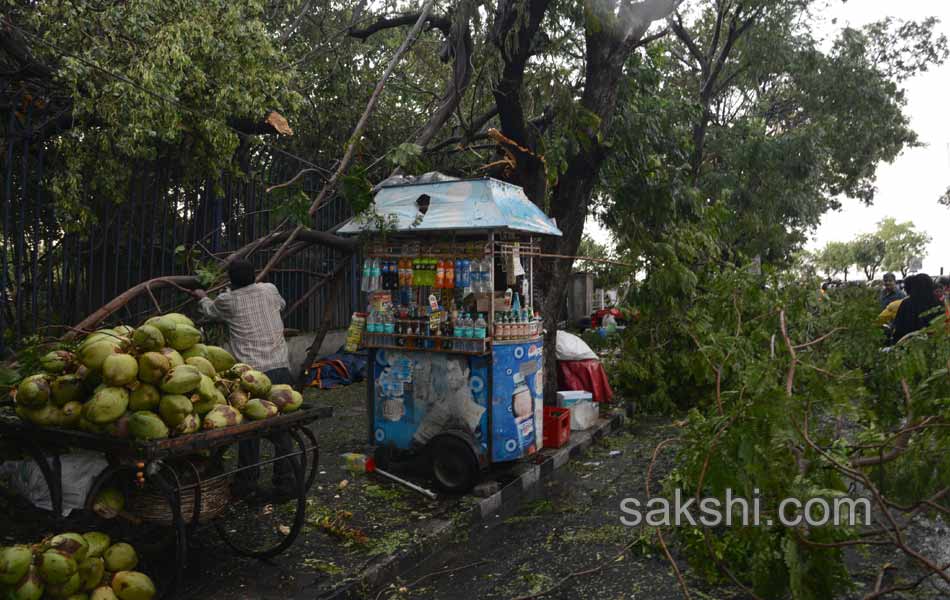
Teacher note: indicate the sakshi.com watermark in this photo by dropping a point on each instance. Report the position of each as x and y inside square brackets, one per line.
[738, 511]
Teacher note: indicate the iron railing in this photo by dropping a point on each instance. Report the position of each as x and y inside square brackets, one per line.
[52, 275]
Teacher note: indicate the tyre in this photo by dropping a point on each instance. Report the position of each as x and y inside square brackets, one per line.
[454, 465]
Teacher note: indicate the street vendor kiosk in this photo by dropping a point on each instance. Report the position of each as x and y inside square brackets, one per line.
[455, 360]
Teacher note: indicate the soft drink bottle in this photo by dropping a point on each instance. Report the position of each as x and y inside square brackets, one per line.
[458, 273]
[377, 275]
[466, 276]
[449, 281]
[440, 275]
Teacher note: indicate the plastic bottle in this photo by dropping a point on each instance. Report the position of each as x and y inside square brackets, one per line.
[390, 327]
[480, 326]
[440, 275]
[458, 273]
[367, 274]
[466, 277]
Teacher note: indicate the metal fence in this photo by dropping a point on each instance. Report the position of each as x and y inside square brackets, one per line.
[52, 276]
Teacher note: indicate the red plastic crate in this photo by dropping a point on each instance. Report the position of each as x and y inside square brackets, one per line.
[557, 426]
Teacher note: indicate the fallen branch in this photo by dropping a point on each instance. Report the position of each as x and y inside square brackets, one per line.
[330, 185]
[659, 531]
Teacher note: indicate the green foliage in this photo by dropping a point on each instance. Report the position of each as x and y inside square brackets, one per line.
[837, 257]
[745, 433]
[357, 189]
[902, 244]
[869, 251]
[151, 79]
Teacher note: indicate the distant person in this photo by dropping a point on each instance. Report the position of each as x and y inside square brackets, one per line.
[916, 311]
[890, 292]
[943, 289]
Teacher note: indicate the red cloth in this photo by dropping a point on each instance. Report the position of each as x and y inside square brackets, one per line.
[586, 375]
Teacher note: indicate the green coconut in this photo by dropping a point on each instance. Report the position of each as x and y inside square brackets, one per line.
[56, 567]
[108, 503]
[220, 358]
[71, 414]
[181, 380]
[295, 404]
[93, 355]
[145, 397]
[30, 587]
[61, 591]
[57, 361]
[79, 596]
[239, 399]
[119, 369]
[258, 409]
[199, 350]
[97, 540]
[221, 416]
[203, 407]
[107, 404]
[103, 593]
[91, 571]
[202, 364]
[281, 395]
[164, 324]
[255, 383]
[45, 416]
[153, 366]
[190, 424]
[146, 425]
[33, 391]
[71, 544]
[14, 563]
[132, 585]
[148, 338]
[174, 358]
[174, 408]
[66, 388]
[183, 337]
[120, 557]
[238, 369]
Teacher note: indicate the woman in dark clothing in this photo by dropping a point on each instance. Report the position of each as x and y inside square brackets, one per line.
[916, 311]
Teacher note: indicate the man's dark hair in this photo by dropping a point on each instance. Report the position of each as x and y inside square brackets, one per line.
[889, 276]
[241, 273]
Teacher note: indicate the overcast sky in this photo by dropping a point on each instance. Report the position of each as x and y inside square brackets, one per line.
[909, 187]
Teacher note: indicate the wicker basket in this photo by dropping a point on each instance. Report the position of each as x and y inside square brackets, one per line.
[150, 505]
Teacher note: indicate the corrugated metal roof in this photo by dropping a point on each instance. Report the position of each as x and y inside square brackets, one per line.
[465, 204]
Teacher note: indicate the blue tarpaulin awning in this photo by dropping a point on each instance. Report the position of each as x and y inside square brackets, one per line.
[458, 205]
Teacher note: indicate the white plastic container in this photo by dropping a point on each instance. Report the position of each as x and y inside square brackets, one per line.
[566, 399]
[584, 415]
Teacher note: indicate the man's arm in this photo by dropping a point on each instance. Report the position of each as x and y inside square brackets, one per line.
[214, 309]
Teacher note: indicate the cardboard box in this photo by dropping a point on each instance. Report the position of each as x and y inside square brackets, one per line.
[568, 398]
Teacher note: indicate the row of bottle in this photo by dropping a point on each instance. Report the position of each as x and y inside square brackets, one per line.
[517, 325]
[386, 328]
[381, 274]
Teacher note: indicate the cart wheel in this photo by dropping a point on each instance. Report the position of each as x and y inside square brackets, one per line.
[264, 523]
[454, 464]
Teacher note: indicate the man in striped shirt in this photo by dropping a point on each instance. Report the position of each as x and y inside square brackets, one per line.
[252, 313]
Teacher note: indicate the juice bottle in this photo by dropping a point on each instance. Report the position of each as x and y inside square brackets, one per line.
[449, 281]
[440, 275]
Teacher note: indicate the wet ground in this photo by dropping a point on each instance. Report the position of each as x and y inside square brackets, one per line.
[571, 525]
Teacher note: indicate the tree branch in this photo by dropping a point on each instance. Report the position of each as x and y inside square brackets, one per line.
[370, 106]
[443, 24]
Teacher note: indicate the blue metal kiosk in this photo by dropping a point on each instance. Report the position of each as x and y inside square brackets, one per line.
[462, 403]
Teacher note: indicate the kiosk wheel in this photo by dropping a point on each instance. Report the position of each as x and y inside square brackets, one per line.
[454, 464]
